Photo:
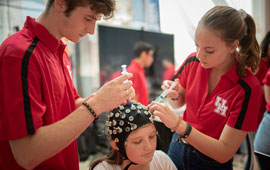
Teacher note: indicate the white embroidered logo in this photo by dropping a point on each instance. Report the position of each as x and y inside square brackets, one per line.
[221, 108]
[69, 70]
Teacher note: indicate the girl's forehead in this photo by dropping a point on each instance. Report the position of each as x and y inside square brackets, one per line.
[142, 131]
[207, 37]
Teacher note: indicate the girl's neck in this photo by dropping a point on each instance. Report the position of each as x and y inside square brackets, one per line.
[225, 66]
[140, 62]
[135, 167]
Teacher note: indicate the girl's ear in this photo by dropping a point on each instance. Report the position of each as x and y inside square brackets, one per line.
[235, 44]
[113, 145]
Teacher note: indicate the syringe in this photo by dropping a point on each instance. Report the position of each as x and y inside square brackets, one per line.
[124, 70]
[165, 93]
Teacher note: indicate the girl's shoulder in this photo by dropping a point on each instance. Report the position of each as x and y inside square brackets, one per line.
[161, 161]
[105, 165]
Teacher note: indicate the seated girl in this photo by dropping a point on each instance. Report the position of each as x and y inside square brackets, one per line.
[133, 141]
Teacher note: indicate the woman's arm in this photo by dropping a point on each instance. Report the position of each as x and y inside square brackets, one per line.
[220, 150]
[266, 92]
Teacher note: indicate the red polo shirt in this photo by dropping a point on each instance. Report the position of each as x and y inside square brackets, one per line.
[168, 73]
[235, 101]
[36, 90]
[266, 81]
[139, 82]
[264, 66]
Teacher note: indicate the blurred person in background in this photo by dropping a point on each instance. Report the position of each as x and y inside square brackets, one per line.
[168, 72]
[263, 68]
[143, 58]
[262, 138]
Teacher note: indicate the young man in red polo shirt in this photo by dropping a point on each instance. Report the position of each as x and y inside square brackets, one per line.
[41, 114]
[143, 58]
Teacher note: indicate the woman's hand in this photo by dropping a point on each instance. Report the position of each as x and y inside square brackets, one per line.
[164, 113]
[175, 92]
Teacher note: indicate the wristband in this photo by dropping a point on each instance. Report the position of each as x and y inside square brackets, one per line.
[177, 98]
[90, 109]
[174, 99]
[187, 131]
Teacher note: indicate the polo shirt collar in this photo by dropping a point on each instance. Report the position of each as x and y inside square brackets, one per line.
[232, 73]
[43, 34]
[135, 63]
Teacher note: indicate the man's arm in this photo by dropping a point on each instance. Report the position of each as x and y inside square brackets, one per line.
[221, 149]
[79, 101]
[49, 140]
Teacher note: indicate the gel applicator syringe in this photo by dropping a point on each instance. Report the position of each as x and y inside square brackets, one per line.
[124, 70]
[165, 93]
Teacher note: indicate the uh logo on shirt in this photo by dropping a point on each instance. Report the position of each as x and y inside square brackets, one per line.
[221, 107]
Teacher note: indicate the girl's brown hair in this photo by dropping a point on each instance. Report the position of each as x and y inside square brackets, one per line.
[236, 25]
[113, 157]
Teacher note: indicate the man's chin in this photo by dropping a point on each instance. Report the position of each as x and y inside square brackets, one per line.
[74, 39]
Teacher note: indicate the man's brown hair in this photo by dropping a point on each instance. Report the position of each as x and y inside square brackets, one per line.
[103, 7]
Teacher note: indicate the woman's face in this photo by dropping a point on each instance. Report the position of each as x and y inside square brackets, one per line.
[212, 51]
[141, 144]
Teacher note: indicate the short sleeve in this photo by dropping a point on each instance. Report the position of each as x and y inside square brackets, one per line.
[21, 102]
[183, 70]
[264, 65]
[104, 165]
[245, 112]
[266, 79]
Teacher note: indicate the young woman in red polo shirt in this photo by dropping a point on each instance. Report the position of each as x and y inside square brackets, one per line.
[221, 94]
